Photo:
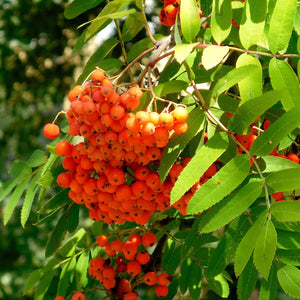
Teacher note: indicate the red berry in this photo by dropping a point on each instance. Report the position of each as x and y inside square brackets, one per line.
[51, 131]
[131, 296]
[149, 239]
[150, 278]
[78, 296]
[161, 290]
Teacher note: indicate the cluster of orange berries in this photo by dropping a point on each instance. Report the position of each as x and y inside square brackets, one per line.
[114, 170]
[128, 264]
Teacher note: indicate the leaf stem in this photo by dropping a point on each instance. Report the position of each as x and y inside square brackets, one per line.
[121, 40]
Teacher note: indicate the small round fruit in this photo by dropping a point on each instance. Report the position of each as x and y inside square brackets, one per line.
[78, 296]
[51, 131]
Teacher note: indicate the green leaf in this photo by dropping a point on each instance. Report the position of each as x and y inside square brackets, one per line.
[289, 280]
[29, 197]
[221, 20]
[97, 57]
[289, 256]
[49, 178]
[271, 137]
[252, 23]
[247, 244]
[195, 281]
[20, 169]
[283, 77]
[32, 279]
[82, 266]
[102, 22]
[189, 19]
[79, 239]
[59, 200]
[231, 207]
[110, 12]
[286, 211]
[43, 285]
[247, 281]
[214, 55]
[251, 86]
[184, 275]
[220, 185]
[73, 218]
[202, 160]
[232, 78]
[284, 180]
[288, 239]
[77, 7]
[170, 87]
[225, 250]
[178, 142]
[281, 24]
[132, 26]
[268, 288]
[250, 110]
[276, 163]
[219, 285]
[7, 187]
[37, 158]
[182, 51]
[65, 277]
[265, 248]
[56, 236]
[14, 199]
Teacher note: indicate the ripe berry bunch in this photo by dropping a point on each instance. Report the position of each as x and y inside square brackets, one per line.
[113, 171]
[127, 264]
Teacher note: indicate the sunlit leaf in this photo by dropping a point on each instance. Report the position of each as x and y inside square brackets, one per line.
[202, 160]
[77, 7]
[286, 211]
[252, 23]
[281, 24]
[214, 55]
[220, 185]
[221, 20]
[289, 280]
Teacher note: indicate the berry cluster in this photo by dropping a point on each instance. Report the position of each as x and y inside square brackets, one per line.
[114, 170]
[127, 265]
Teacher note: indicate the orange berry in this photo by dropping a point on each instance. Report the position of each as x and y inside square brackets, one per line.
[147, 129]
[75, 92]
[166, 119]
[135, 92]
[78, 296]
[117, 112]
[133, 268]
[102, 241]
[51, 131]
[150, 278]
[180, 114]
[64, 148]
[98, 76]
[143, 257]
[154, 117]
[64, 179]
[161, 290]
[149, 239]
[116, 245]
[277, 196]
[136, 239]
[116, 176]
[106, 90]
[293, 157]
[180, 127]
[164, 278]
[129, 250]
[131, 296]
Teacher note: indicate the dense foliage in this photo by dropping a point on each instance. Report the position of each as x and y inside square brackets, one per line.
[174, 171]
